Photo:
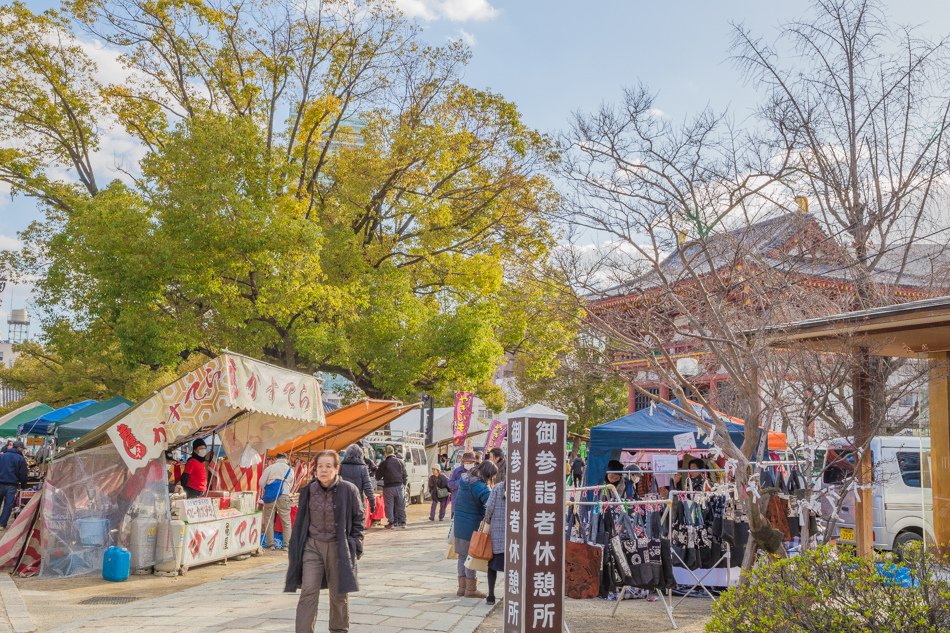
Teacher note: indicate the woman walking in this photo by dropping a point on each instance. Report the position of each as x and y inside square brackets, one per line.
[326, 543]
[354, 470]
[469, 506]
[495, 515]
[439, 491]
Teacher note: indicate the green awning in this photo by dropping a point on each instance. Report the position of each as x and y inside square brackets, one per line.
[11, 421]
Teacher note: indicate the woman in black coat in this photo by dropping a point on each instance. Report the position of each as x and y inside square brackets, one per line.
[329, 560]
[354, 470]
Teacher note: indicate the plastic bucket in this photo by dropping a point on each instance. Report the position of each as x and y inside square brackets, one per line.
[92, 532]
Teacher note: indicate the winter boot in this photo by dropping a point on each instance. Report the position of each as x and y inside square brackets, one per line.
[471, 589]
[461, 591]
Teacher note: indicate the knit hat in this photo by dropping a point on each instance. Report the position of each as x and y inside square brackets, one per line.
[199, 443]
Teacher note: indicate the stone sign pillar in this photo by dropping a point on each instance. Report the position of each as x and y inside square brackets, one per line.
[534, 561]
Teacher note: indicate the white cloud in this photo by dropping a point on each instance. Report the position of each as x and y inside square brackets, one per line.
[452, 10]
[8, 243]
[468, 38]
[657, 113]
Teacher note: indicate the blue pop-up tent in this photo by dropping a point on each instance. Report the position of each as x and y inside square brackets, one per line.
[651, 428]
[88, 418]
[46, 423]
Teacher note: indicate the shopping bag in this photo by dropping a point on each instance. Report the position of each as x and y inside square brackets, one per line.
[582, 570]
[476, 564]
[451, 554]
[480, 545]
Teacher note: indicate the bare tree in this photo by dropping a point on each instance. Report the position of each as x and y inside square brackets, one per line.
[862, 107]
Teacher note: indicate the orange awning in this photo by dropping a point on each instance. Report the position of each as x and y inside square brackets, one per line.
[347, 425]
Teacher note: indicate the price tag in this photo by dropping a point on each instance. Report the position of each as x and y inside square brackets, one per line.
[203, 509]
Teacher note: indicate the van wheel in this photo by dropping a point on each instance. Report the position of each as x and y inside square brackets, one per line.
[408, 495]
[904, 539]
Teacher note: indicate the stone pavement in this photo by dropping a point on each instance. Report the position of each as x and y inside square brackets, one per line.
[406, 586]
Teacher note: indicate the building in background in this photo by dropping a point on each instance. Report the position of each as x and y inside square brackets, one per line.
[18, 331]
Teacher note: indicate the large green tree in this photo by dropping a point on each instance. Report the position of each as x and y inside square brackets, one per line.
[318, 188]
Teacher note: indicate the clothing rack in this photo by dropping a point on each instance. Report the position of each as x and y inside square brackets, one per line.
[727, 556]
[666, 599]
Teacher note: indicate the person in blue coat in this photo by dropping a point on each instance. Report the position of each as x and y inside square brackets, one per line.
[469, 505]
[12, 476]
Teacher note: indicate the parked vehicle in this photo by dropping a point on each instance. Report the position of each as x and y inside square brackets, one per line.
[410, 447]
[902, 496]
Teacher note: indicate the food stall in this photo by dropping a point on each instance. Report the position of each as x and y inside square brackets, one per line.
[344, 426]
[111, 486]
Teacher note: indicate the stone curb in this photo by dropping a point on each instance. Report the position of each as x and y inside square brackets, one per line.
[15, 607]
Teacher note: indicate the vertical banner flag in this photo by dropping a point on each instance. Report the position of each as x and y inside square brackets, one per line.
[496, 435]
[464, 402]
[534, 592]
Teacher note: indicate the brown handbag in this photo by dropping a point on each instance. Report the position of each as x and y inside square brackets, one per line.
[480, 545]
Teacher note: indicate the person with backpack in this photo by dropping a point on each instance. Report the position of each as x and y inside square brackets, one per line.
[277, 482]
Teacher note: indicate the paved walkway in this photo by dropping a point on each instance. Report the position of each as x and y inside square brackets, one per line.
[406, 586]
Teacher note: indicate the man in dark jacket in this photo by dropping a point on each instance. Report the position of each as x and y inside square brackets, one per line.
[12, 476]
[326, 543]
[392, 472]
[468, 460]
[354, 470]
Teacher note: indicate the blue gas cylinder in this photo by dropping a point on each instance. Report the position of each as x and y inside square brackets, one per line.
[115, 564]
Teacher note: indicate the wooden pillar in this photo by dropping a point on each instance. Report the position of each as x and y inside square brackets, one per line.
[631, 398]
[863, 511]
[939, 396]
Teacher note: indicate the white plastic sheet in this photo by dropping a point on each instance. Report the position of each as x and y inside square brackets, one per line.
[91, 502]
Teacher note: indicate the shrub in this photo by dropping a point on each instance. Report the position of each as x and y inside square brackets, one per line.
[828, 590]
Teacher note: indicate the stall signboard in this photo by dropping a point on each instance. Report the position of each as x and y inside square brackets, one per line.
[201, 509]
[464, 402]
[534, 594]
[222, 538]
[684, 441]
[276, 401]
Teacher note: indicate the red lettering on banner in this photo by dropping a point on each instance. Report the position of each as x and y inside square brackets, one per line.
[160, 434]
[304, 398]
[252, 384]
[134, 448]
[212, 541]
[289, 390]
[272, 389]
[232, 379]
[239, 533]
[194, 546]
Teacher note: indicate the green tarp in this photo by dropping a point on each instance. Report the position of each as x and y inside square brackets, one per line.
[11, 421]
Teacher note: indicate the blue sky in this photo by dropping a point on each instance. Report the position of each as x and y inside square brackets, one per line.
[554, 57]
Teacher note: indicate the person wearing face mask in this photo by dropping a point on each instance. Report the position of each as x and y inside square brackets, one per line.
[195, 478]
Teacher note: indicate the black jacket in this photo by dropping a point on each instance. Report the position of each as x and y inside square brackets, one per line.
[392, 472]
[13, 468]
[348, 513]
[355, 472]
[437, 482]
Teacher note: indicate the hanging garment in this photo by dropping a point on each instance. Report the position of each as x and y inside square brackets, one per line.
[777, 514]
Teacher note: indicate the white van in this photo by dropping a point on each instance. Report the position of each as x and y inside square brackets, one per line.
[902, 496]
[411, 448]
